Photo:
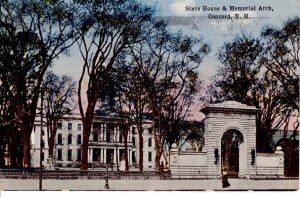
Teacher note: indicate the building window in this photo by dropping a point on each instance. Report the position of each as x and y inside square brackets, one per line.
[78, 155]
[79, 127]
[107, 136]
[59, 139]
[78, 139]
[150, 131]
[69, 126]
[133, 130]
[149, 156]
[133, 141]
[70, 139]
[43, 156]
[133, 157]
[120, 138]
[69, 155]
[95, 137]
[43, 144]
[59, 125]
[59, 154]
[150, 142]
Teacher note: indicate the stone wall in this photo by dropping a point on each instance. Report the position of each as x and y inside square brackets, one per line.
[269, 165]
[189, 164]
[190, 159]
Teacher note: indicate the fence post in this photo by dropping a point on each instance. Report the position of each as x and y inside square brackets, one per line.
[174, 156]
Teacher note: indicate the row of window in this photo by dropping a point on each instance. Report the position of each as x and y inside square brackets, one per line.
[135, 132]
[70, 126]
[149, 142]
[95, 138]
[79, 128]
[60, 139]
[134, 157]
[69, 155]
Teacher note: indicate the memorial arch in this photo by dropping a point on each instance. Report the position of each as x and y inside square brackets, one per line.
[236, 122]
[229, 146]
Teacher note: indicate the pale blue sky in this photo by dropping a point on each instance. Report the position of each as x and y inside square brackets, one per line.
[215, 32]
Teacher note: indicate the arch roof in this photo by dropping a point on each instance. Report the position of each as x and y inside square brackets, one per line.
[229, 106]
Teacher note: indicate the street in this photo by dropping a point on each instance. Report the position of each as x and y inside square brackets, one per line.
[147, 185]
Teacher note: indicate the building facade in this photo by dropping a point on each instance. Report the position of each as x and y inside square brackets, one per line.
[106, 144]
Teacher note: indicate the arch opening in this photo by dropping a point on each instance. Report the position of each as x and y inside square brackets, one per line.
[230, 152]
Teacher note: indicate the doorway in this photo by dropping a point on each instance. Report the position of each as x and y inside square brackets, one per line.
[231, 153]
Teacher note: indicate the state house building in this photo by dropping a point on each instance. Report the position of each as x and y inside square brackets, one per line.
[106, 143]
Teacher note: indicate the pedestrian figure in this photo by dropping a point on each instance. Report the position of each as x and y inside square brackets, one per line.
[225, 182]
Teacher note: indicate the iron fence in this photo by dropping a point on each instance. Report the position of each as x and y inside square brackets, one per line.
[76, 174]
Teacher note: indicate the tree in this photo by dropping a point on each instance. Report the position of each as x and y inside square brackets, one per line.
[165, 62]
[134, 98]
[239, 69]
[114, 101]
[281, 58]
[59, 92]
[41, 31]
[192, 132]
[8, 132]
[111, 26]
[260, 82]
[175, 114]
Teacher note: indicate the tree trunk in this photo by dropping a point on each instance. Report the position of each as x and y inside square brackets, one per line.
[12, 156]
[87, 125]
[26, 148]
[51, 146]
[126, 149]
[141, 144]
[157, 143]
[2, 161]
[51, 136]
[288, 152]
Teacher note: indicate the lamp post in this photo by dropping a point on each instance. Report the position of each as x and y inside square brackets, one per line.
[41, 143]
[106, 177]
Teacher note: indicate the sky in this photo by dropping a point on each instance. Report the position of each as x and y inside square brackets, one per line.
[197, 23]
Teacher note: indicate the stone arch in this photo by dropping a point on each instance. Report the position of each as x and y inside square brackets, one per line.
[225, 116]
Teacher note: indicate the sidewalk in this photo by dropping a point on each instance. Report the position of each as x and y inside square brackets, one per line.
[147, 185]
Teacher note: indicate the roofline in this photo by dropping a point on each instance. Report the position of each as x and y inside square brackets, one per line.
[209, 109]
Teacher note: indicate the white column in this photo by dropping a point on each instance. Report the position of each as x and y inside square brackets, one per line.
[104, 132]
[101, 133]
[129, 136]
[104, 156]
[115, 156]
[115, 133]
[89, 156]
[129, 157]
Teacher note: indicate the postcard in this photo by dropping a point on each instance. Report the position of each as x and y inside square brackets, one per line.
[137, 95]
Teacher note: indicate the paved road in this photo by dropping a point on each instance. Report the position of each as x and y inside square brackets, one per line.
[148, 185]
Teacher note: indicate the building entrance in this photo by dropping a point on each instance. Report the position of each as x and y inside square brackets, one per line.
[230, 153]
